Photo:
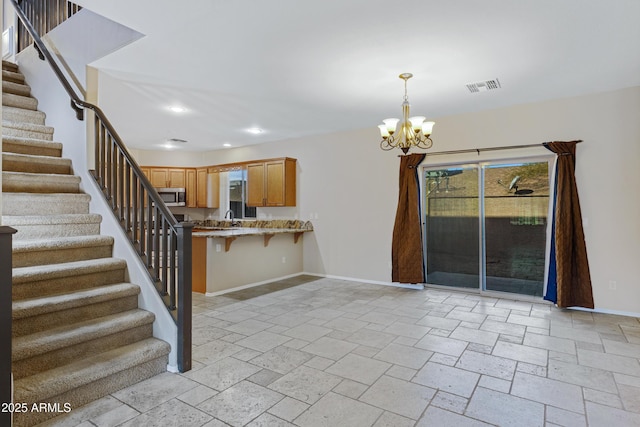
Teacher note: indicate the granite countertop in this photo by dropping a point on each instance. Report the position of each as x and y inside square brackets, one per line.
[250, 228]
[243, 231]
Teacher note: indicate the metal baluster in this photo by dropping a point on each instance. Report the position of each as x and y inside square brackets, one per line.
[121, 168]
[127, 198]
[172, 285]
[164, 252]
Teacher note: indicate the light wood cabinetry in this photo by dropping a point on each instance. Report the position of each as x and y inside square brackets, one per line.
[163, 177]
[177, 178]
[271, 182]
[191, 188]
[255, 184]
[213, 188]
[199, 264]
[201, 197]
[167, 177]
[208, 188]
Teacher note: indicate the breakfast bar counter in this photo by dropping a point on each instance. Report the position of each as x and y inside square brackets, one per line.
[230, 257]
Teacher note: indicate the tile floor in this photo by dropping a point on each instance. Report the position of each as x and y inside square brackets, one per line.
[320, 352]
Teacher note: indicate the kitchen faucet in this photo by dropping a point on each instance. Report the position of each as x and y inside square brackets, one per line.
[231, 217]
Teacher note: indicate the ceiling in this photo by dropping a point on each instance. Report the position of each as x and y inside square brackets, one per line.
[299, 68]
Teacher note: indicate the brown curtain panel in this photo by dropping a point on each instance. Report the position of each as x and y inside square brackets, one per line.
[573, 277]
[406, 247]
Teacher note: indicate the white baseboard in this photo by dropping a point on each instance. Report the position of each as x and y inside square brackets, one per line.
[418, 286]
[606, 311]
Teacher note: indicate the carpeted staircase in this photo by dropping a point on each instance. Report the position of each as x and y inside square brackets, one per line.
[78, 333]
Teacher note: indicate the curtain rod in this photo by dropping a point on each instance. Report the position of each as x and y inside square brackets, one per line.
[478, 150]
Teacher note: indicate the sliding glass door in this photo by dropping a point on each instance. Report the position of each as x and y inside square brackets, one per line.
[452, 226]
[516, 203]
[485, 226]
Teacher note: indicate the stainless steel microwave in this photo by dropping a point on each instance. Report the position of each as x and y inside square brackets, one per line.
[173, 196]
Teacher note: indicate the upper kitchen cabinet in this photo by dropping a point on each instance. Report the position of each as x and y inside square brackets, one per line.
[167, 177]
[208, 188]
[272, 182]
[191, 188]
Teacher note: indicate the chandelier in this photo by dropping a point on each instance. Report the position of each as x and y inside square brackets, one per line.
[412, 131]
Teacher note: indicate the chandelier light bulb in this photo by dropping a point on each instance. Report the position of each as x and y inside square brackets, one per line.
[416, 123]
[391, 125]
[384, 132]
[427, 128]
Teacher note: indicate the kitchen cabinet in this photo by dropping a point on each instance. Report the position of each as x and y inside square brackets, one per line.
[167, 177]
[199, 264]
[213, 188]
[208, 188]
[191, 188]
[201, 188]
[271, 182]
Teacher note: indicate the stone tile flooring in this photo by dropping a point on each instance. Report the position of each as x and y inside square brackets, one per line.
[319, 352]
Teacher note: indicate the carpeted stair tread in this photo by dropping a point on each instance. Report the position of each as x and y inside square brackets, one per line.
[39, 183]
[12, 75]
[16, 88]
[49, 304]
[52, 203]
[20, 115]
[45, 386]
[44, 129]
[56, 271]
[19, 101]
[27, 130]
[50, 226]
[10, 66]
[39, 280]
[28, 253]
[60, 243]
[20, 145]
[29, 163]
[18, 220]
[77, 333]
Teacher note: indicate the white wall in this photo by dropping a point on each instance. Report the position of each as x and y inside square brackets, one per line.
[249, 262]
[351, 185]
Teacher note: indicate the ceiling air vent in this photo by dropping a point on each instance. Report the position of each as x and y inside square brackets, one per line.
[484, 86]
[178, 140]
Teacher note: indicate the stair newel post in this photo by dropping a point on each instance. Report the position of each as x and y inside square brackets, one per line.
[6, 310]
[184, 320]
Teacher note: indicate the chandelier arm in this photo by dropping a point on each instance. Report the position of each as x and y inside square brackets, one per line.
[386, 145]
[424, 143]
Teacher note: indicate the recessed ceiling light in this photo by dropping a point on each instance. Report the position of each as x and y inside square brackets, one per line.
[255, 131]
[226, 144]
[177, 109]
[172, 143]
